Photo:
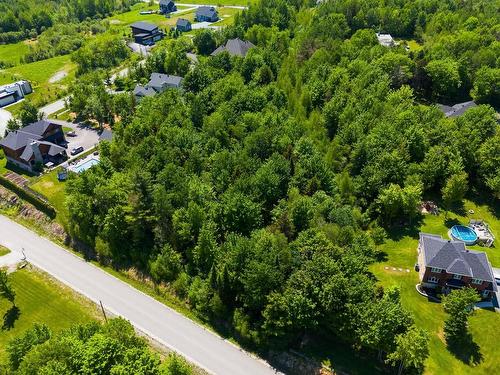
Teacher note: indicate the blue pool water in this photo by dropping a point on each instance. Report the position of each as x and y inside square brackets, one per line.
[85, 165]
[464, 234]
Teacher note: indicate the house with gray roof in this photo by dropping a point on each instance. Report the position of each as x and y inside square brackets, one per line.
[160, 82]
[157, 84]
[457, 109]
[36, 144]
[447, 265]
[183, 25]
[235, 47]
[206, 14]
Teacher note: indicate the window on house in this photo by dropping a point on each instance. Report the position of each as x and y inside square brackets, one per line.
[486, 293]
[477, 281]
[432, 279]
[436, 270]
[457, 277]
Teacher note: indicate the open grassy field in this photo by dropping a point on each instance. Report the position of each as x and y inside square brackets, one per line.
[39, 74]
[12, 53]
[401, 252]
[54, 190]
[219, 2]
[42, 299]
[123, 20]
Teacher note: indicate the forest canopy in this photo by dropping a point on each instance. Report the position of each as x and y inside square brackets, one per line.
[260, 191]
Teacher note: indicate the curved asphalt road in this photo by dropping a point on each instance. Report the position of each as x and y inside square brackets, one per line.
[163, 324]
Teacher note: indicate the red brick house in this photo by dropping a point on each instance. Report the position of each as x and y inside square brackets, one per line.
[38, 143]
[447, 265]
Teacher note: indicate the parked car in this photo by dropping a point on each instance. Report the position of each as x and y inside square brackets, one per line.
[71, 133]
[76, 150]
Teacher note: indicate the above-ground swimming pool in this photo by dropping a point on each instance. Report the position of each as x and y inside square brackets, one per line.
[464, 234]
[86, 164]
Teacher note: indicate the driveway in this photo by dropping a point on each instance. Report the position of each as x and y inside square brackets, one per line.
[171, 329]
[86, 137]
[5, 116]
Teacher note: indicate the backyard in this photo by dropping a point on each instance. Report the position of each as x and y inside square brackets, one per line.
[400, 251]
[41, 299]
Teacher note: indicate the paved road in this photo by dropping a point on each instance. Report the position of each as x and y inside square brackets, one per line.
[53, 107]
[168, 327]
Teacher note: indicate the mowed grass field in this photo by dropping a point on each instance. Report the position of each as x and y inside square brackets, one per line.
[39, 75]
[42, 299]
[123, 20]
[401, 252]
[54, 190]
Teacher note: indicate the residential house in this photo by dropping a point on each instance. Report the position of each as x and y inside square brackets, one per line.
[141, 91]
[36, 144]
[457, 109]
[160, 82]
[183, 25]
[146, 33]
[167, 6]
[206, 14]
[235, 47]
[446, 265]
[385, 40]
[157, 84]
[14, 92]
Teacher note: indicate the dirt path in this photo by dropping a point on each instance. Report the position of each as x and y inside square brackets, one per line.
[58, 76]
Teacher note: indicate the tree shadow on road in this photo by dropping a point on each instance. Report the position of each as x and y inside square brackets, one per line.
[10, 317]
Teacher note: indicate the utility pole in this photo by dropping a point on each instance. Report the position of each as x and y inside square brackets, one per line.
[103, 312]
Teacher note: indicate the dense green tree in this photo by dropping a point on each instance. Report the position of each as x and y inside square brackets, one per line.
[28, 113]
[6, 289]
[204, 41]
[412, 349]
[459, 305]
[445, 78]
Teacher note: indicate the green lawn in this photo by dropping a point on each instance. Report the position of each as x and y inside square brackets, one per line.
[39, 74]
[12, 53]
[401, 253]
[3, 250]
[54, 190]
[42, 299]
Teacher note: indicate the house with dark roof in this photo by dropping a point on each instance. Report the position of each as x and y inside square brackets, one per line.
[146, 33]
[447, 265]
[157, 84]
[183, 25]
[457, 109]
[167, 6]
[206, 14]
[36, 144]
[235, 47]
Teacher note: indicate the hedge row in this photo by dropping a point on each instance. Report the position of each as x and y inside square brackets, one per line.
[28, 196]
